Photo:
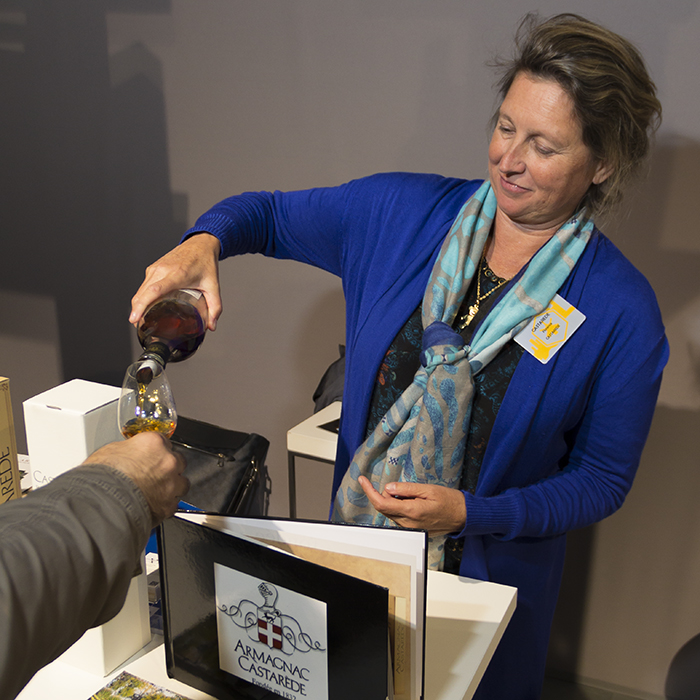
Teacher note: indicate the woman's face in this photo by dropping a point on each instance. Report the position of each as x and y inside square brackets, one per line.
[539, 167]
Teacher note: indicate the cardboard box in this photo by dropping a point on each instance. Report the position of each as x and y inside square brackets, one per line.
[102, 649]
[66, 424]
[9, 472]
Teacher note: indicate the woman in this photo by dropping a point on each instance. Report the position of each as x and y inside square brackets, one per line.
[448, 423]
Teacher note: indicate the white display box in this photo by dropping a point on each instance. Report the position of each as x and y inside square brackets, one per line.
[66, 424]
[102, 649]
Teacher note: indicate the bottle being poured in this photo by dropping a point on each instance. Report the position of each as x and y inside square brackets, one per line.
[171, 330]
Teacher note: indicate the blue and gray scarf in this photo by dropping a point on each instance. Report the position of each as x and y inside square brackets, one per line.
[422, 437]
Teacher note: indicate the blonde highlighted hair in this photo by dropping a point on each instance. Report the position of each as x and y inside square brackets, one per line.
[607, 80]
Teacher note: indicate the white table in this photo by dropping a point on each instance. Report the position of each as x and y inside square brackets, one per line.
[59, 681]
[460, 640]
[465, 622]
[310, 440]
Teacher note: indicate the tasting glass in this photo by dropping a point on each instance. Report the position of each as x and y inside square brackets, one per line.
[146, 402]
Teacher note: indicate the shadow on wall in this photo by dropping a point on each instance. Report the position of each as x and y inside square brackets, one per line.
[658, 234]
[84, 179]
[683, 681]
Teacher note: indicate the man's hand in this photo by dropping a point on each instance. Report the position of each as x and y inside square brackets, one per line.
[150, 463]
[437, 509]
[194, 264]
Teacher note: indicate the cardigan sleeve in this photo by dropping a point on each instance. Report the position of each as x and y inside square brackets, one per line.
[68, 552]
[350, 230]
[305, 225]
[594, 479]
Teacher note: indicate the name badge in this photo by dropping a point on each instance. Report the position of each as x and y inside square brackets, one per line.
[546, 333]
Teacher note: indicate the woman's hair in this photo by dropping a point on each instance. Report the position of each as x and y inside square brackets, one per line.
[606, 78]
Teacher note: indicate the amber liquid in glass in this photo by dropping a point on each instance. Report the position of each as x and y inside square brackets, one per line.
[142, 425]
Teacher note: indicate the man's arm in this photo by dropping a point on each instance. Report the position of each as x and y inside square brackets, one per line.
[69, 549]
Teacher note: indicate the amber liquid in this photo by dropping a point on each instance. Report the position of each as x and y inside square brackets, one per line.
[175, 324]
[143, 425]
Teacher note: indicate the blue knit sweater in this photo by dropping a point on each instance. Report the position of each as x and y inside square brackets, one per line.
[568, 438]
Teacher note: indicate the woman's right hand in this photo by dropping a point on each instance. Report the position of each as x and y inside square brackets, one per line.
[194, 264]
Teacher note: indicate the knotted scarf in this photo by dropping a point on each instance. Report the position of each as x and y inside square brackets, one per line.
[422, 437]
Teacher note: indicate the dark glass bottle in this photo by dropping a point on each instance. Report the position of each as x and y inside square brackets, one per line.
[173, 327]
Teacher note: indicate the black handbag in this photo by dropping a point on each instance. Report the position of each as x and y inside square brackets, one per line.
[226, 468]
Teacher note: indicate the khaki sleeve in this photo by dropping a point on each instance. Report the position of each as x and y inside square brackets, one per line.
[68, 552]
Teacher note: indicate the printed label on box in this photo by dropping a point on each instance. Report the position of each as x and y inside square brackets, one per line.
[9, 473]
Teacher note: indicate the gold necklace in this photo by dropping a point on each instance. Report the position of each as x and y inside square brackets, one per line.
[473, 310]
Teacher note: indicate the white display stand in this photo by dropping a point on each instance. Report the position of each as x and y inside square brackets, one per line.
[310, 441]
[465, 622]
[460, 640]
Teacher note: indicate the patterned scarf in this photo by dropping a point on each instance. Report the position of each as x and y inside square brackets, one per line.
[422, 437]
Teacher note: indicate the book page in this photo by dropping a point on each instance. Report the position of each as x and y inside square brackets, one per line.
[395, 577]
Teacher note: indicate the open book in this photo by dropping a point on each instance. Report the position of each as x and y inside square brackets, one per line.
[263, 608]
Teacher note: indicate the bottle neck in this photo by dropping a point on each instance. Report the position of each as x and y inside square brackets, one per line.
[151, 363]
[157, 352]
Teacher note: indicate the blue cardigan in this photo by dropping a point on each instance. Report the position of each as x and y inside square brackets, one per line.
[569, 435]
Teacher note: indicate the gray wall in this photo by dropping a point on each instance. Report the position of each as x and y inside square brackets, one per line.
[121, 121]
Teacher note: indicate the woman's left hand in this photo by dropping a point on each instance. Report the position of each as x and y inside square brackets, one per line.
[437, 509]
